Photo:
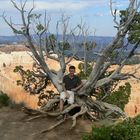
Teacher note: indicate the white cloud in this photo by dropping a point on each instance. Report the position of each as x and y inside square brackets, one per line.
[99, 14]
[61, 5]
[120, 4]
[54, 5]
[68, 4]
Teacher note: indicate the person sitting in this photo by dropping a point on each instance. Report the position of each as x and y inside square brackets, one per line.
[71, 83]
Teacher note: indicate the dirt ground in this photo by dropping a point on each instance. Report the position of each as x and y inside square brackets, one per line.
[14, 126]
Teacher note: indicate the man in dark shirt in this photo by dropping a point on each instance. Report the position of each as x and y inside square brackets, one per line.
[71, 83]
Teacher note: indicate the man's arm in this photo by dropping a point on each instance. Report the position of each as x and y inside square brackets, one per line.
[78, 87]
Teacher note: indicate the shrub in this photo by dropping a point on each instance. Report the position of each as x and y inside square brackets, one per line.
[82, 74]
[120, 97]
[4, 99]
[127, 130]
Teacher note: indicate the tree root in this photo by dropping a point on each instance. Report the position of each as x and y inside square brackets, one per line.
[114, 109]
[31, 111]
[65, 111]
[37, 117]
[82, 111]
[74, 117]
[93, 118]
[105, 108]
[50, 105]
[53, 126]
[94, 110]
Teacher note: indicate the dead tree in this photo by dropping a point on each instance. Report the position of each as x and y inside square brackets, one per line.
[46, 45]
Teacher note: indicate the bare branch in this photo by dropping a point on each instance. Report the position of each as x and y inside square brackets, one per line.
[15, 5]
[132, 75]
[29, 15]
[23, 5]
[113, 13]
[10, 24]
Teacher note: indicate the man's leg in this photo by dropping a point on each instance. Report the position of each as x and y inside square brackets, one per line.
[62, 99]
[61, 105]
[71, 98]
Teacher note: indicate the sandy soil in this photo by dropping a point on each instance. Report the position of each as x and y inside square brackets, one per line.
[13, 126]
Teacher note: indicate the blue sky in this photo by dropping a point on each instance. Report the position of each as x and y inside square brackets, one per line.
[95, 13]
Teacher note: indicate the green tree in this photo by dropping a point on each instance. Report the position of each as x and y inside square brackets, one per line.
[134, 27]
